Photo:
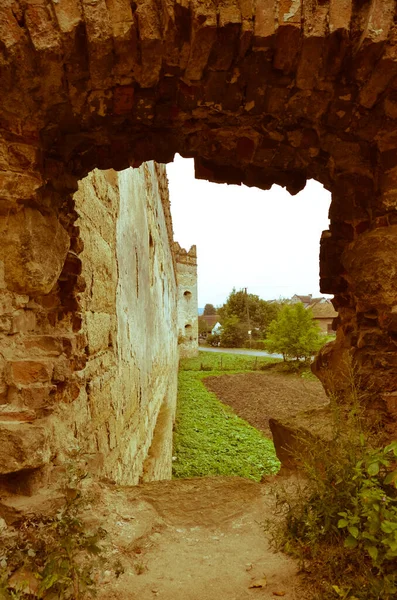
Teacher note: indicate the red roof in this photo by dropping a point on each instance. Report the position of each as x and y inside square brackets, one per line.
[211, 320]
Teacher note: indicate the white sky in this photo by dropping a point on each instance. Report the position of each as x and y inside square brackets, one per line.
[267, 241]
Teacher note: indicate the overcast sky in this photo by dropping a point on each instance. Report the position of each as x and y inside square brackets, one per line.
[267, 241]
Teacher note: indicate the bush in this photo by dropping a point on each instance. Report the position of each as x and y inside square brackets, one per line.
[55, 556]
[213, 339]
[294, 334]
[342, 521]
[233, 333]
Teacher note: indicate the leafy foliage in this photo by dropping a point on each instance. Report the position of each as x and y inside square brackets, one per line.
[250, 310]
[233, 332]
[342, 523]
[210, 439]
[52, 557]
[293, 333]
[203, 326]
[209, 309]
[214, 339]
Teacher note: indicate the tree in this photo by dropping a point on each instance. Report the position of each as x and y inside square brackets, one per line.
[249, 309]
[294, 333]
[209, 309]
[203, 326]
[233, 333]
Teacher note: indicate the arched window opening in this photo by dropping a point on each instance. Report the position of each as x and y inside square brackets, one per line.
[189, 332]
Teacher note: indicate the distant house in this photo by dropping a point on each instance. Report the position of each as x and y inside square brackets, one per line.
[210, 321]
[322, 309]
[307, 301]
[216, 328]
[324, 313]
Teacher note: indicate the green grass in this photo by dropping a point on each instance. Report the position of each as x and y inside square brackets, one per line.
[210, 439]
[219, 361]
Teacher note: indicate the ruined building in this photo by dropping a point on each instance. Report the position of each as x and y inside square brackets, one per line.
[186, 268]
[273, 91]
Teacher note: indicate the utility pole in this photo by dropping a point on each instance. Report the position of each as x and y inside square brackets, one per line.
[248, 314]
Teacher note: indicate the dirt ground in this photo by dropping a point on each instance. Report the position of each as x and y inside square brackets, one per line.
[194, 539]
[203, 539]
[256, 397]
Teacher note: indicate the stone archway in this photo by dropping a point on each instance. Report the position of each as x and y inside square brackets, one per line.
[258, 93]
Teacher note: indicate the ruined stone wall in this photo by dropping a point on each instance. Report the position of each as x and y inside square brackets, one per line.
[272, 91]
[100, 379]
[186, 268]
[129, 309]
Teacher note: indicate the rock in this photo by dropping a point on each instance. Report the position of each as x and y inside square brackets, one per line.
[23, 446]
[33, 249]
[290, 436]
[9, 412]
[371, 265]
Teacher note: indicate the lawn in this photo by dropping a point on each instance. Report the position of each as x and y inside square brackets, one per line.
[210, 439]
[219, 361]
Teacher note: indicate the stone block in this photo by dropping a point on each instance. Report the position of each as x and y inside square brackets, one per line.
[27, 372]
[37, 397]
[23, 446]
[99, 327]
[371, 262]
[47, 345]
[23, 321]
[5, 324]
[62, 370]
[9, 412]
[33, 249]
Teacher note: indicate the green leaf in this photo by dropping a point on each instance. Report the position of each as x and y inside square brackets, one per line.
[350, 542]
[391, 448]
[354, 531]
[342, 523]
[49, 581]
[388, 526]
[373, 552]
[373, 468]
[391, 478]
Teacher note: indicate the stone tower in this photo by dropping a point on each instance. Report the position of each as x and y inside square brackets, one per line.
[187, 320]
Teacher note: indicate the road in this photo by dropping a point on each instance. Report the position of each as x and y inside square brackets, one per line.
[245, 351]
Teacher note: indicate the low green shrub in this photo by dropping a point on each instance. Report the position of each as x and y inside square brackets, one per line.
[341, 521]
[210, 439]
[214, 339]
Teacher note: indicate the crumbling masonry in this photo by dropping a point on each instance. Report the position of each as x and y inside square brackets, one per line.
[258, 93]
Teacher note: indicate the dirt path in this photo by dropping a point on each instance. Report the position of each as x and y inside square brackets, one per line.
[258, 396]
[197, 539]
